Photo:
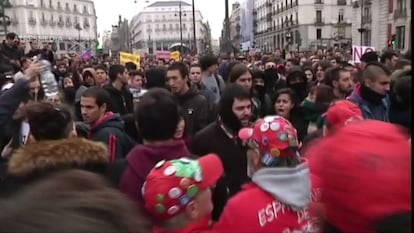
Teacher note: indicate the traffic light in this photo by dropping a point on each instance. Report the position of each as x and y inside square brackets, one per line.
[392, 41]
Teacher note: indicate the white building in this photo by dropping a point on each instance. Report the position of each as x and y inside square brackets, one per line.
[379, 20]
[157, 27]
[70, 25]
[302, 24]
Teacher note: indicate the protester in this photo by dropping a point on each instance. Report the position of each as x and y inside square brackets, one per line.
[157, 119]
[281, 184]
[121, 97]
[50, 147]
[194, 105]
[178, 193]
[372, 94]
[105, 126]
[72, 201]
[371, 157]
[136, 85]
[220, 137]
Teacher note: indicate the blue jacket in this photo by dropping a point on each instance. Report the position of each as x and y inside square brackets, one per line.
[370, 111]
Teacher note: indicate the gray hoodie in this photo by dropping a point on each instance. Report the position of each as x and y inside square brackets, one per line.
[290, 186]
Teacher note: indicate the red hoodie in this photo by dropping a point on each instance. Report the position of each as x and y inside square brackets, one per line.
[140, 162]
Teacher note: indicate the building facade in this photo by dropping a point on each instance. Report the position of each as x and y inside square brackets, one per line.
[157, 27]
[235, 27]
[374, 23]
[302, 24]
[246, 20]
[69, 25]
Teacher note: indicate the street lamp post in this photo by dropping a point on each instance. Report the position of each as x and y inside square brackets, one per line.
[181, 29]
[194, 30]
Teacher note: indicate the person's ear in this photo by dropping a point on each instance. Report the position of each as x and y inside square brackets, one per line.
[104, 107]
[192, 210]
[335, 84]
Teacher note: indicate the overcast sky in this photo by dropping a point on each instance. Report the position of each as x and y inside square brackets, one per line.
[212, 10]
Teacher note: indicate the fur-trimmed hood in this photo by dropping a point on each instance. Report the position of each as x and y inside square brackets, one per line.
[43, 156]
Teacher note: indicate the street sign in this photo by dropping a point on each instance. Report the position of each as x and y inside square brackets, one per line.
[358, 51]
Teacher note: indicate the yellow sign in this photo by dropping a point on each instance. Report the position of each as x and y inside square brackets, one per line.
[129, 57]
[175, 55]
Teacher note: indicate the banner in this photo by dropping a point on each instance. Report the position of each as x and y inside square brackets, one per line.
[163, 54]
[175, 55]
[129, 57]
[358, 51]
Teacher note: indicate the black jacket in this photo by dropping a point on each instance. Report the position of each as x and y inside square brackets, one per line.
[196, 110]
[213, 139]
[10, 53]
[110, 131]
[122, 100]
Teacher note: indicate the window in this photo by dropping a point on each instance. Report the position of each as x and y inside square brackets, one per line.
[62, 46]
[42, 3]
[43, 16]
[50, 3]
[164, 27]
[367, 38]
[171, 26]
[341, 16]
[318, 33]
[400, 37]
[401, 5]
[177, 26]
[59, 6]
[85, 10]
[318, 16]
[67, 6]
[75, 8]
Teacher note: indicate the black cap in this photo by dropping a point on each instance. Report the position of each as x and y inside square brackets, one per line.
[12, 36]
[369, 57]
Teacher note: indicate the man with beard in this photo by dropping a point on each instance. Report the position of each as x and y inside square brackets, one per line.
[221, 138]
[340, 81]
[122, 101]
[371, 95]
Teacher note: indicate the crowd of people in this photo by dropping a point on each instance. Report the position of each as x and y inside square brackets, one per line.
[280, 142]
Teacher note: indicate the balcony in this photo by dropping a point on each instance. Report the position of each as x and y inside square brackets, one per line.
[43, 22]
[32, 21]
[319, 1]
[295, 3]
[400, 13]
[68, 24]
[86, 25]
[319, 22]
[254, 12]
[366, 19]
[52, 23]
[60, 23]
[341, 2]
[269, 17]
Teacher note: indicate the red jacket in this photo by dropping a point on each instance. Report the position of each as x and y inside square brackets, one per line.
[255, 210]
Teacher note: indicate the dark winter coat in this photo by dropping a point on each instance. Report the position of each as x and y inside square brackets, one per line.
[39, 159]
[196, 110]
[122, 100]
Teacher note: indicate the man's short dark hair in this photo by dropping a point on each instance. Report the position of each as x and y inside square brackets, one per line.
[207, 61]
[388, 56]
[136, 73]
[373, 70]
[294, 61]
[101, 67]
[401, 63]
[11, 36]
[100, 95]
[156, 115]
[181, 67]
[48, 121]
[130, 66]
[369, 57]
[114, 70]
[332, 74]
